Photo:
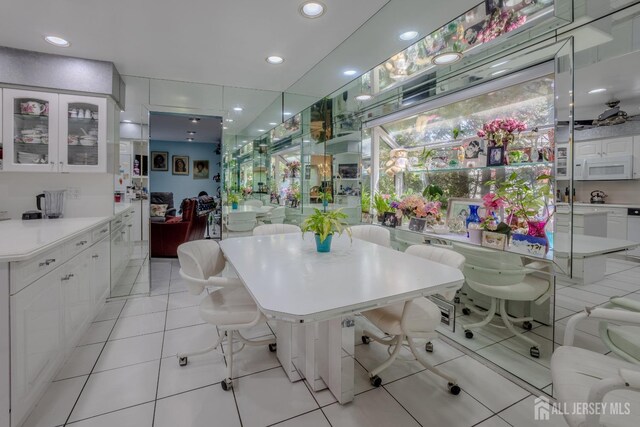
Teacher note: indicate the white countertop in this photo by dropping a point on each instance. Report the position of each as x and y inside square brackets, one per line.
[121, 207]
[290, 280]
[20, 240]
[600, 205]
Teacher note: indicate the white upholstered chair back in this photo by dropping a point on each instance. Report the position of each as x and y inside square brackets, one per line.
[269, 229]
[254, 202]
[372, 233]
[241, 221]
[200, 259]
[277, 215]
[438, 254]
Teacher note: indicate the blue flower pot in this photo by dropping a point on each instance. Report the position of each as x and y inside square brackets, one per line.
[234, 205]
[325, 203]
[323, 246]
[473, 216]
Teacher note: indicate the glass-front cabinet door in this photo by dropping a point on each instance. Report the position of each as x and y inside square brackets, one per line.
[83, 134]
[30, 132]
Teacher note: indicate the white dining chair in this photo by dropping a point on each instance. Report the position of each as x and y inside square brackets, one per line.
[622, 340]
[240, 221]
[372, 233]
[587, 378]
[229, 307]
[276, 216]
[269, 229]
[410, 320]
[502, 277]
[254, 202]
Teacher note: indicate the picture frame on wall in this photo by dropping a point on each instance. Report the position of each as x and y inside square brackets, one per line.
[495, 156]
[160, 161]
[201, 169]
[180, 165]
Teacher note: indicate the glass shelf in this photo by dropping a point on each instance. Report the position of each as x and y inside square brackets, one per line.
[515, 165]
[30, 116]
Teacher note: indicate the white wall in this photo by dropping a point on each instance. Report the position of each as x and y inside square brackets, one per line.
[18, 192]
[619, 192]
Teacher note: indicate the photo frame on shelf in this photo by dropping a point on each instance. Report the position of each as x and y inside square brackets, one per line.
[495, 156]
[460, 206]
[160, 161]
[491, 239]
[307, 172]
[473, 147]
[390, 219]
[180, 165]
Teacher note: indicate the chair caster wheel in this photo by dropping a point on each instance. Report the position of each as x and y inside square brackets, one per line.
[468, 334]
[454, 389]
[466, 311]
[366, 339]
[429, 347]
[182, 361]
[534, 352]
[527, 325]
[226, 384]
[456, 300]
[273, 347]
[376, 381]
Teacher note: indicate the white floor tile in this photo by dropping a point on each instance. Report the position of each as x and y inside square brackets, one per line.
[140, 288]
[323, 397]
[494, 421]
[259, 403]
[581, 339]
[81, 361]
[521, 347]
[623, 285]
[144, 305]
[361, 377]
[578, 294]
[260, 330]
[177, 285]
[97, 332]
[210, 406]
[473, 377]
[562, 312]
[189, 339]
[199, 372]
[425, 396]
[138, 325]
[55, 405]
[184, 299]
[597, 288]
[253, 359]
[521, 415]
[521, 366]
[137, 416]
[478, 341]
[571, 303]
[117, 389]
[159, 288]
[548, 389]
[589, 326]
[373, 408]
[181, 317]
[374, 354]
[130, 351]
[311, 419]
[110, 311]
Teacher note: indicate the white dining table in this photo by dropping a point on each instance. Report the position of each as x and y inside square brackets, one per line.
[314, 296]
[260, 211]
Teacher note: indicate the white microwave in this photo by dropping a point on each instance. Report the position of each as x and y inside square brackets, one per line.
[604, 169]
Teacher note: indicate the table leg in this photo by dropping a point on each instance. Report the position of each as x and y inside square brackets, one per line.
[335, 365]
[307, 360]
[287, 349]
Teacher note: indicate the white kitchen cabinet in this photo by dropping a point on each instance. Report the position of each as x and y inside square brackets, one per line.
[77, 297]
[617, 223]
[47, 132]
[36, 341]
[636, 157]
[612, 147]
[100, 271]
[588, 150]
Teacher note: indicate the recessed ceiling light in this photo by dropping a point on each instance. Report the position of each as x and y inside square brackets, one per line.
[191, 132]
[408, 35]
[312, 9]
[275, 60]
[57, 41]
[238, 108]
[273, 124]
[244, 141]
[225, 128]
[363, 97]
[598, 90]
[446, 58]
[499, 64]
[350, 72]
[286, 113]
[260, 130]
[229, 120]
[189, 139]
[495, 73]
[194, 119]
[126, 121]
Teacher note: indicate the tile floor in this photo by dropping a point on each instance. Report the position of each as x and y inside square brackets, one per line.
[124, 373]
[135, 278]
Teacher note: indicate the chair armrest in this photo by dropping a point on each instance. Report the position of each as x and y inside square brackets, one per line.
[619, 316]
[631, 378]
[170, 212]
[627, 303]
[626, 379]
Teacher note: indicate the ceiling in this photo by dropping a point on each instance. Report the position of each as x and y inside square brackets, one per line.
[176, 128]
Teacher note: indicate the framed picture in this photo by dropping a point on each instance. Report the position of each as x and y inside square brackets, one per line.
[495, 156]
[460, 207]
[201, 169]
[473, 147]
[390, 219]
[494, 240]
[160, 161]
[307, 172]
[180, 165]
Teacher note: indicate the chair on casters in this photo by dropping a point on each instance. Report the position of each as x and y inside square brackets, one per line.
[240, 221]
[502, 277]
[269, 229]
[372, 233]
[584, 377]
[230, 307]
[413, 319]
[623, 340]
[276, 216]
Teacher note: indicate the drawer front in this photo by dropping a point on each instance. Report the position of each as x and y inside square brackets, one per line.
[24, 273]
[77, 245]
[100, 233]
[117, 222]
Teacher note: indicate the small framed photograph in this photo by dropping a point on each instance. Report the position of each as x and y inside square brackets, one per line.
[473, 147]
[494, 240]
[390, 219]
[307, 172]
[495, 156]
[201, 169]
[160, 161]
[180, 165]
[458, 206]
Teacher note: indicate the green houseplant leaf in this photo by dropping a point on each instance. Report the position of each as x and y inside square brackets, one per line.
[325, 223]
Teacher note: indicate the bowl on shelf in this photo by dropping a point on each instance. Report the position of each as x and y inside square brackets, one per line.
[32, 140]
[440, 229]
[28, 157]
[88, 141]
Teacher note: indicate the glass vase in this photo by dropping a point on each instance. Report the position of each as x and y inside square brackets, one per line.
[473, 216]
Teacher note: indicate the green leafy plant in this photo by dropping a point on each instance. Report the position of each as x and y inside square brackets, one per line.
[382, 203]
[426, 155]
[233, 198]
[456, 132]
[326, 196]
[325, 223]
[525, 199]
[365, 201]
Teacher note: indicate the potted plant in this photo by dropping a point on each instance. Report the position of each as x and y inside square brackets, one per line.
[233, 199]
[324, 225]
[419, 211]
[500, 133]
[326, 197]
[365, 204]
[382, 204]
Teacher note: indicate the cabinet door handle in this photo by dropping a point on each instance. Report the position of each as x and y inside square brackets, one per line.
[130, 225]
[95, 256]
[81, 243]
[123, 232]
[47, 262]
[104, 230]
[68, 276]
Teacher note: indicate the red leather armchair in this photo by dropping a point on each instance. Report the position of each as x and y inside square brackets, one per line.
[167, 236]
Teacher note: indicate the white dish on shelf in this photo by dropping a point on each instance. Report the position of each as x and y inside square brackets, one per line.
[88, 142]
[440, 229]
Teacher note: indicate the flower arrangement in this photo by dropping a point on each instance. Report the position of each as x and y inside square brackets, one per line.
[246, 192]
[498, 23]
[500, 132]
[293, 167]
[416, 206]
